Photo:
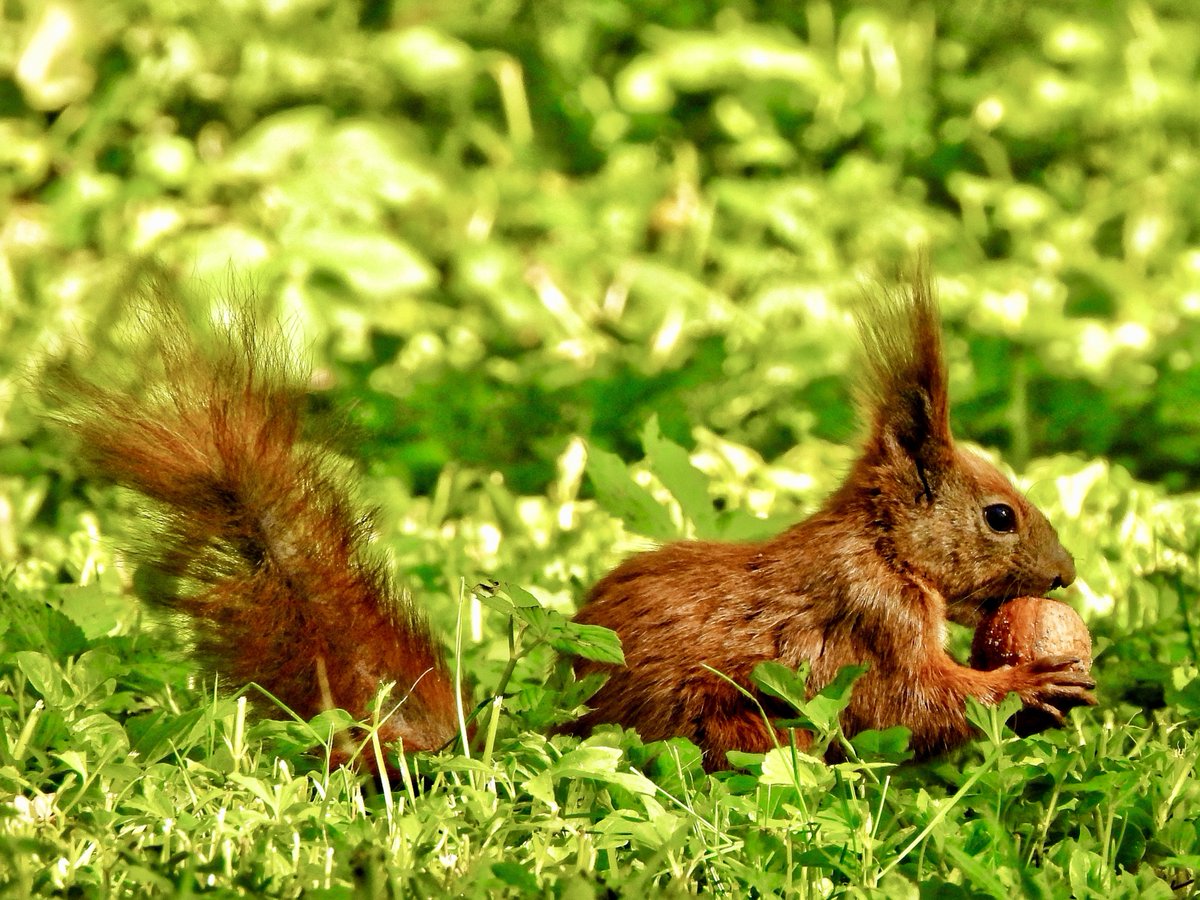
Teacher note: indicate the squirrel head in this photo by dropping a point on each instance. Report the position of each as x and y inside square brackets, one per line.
[939, 514]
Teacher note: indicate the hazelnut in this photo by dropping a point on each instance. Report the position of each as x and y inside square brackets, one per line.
[1028, 629]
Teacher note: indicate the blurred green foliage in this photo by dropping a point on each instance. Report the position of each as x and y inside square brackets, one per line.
[502, 224]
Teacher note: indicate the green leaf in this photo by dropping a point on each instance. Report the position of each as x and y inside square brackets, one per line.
[991, 720]
[44, 675]
[620, 495]
[675, 764]
[426, 59]
[740, 525]
[94, 675]
[541, 787]
[33, 624]
[670, 464]
[890, 744]
[979, 872]
[601, 763]
[786, 766]
[825, 708]
[374, 264]
[95, 610]
[819, 712]
[593, 642]
[787, 684]
[517, 876]
[521, 598]
[160, 734]
[272, 145]
[75, 761]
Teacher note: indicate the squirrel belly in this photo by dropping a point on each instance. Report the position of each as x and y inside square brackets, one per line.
[259, 542]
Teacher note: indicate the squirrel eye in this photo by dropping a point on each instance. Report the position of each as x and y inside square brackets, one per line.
[1000, 517]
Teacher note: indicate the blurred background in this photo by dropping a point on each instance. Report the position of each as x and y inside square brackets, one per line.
[500, 227]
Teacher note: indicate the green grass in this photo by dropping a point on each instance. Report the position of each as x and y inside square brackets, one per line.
[578, 274]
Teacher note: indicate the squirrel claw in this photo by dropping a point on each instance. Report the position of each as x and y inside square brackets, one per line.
[1054, 663]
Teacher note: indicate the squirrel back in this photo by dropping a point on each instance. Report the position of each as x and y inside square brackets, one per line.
[921, 531]
[256, 538]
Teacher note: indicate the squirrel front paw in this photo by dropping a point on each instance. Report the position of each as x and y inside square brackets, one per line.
[1049, 687]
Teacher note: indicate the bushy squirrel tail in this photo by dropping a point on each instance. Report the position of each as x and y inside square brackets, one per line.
[258, 539]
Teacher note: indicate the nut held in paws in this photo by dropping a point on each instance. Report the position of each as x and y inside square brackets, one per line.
[1026, 630]
[1031, 628]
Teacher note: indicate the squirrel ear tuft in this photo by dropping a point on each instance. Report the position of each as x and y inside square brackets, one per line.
[902, 393]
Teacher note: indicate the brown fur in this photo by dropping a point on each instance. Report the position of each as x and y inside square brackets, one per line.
[257, 539]
[872, 577]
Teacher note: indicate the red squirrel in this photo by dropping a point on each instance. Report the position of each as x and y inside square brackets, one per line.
[262, 546]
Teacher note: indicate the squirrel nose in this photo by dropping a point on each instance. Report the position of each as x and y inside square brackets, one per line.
[1066, 571]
